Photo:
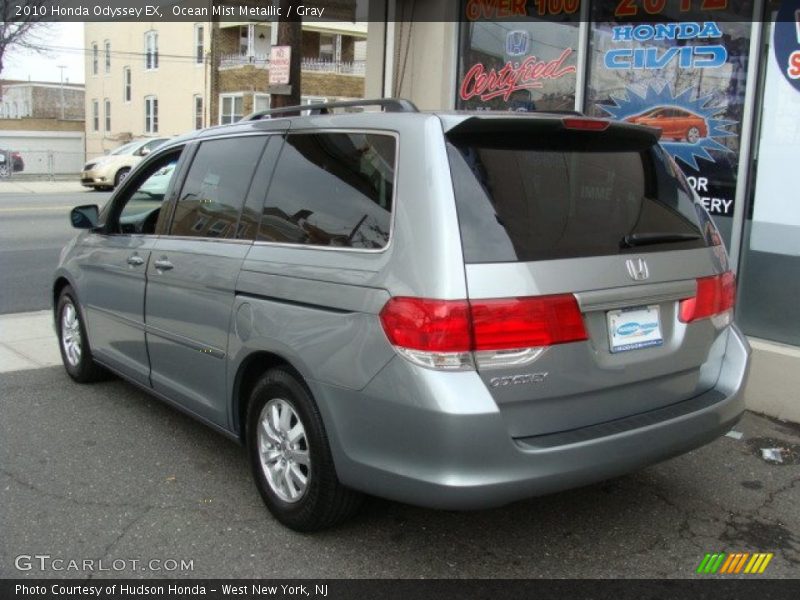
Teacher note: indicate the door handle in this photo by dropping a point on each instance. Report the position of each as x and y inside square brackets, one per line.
[135, 260]
[162, 264]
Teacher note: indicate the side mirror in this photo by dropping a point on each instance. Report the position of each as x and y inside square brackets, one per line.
[84, 217]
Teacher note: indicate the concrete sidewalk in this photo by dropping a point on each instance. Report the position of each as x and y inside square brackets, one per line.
[40, 187]
[28, 341]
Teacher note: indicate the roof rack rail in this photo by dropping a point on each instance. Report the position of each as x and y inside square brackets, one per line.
[321, 108]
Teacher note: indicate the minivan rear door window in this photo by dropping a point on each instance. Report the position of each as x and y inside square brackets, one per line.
[522, 198]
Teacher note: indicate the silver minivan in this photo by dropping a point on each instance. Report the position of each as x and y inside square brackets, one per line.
[455, 310]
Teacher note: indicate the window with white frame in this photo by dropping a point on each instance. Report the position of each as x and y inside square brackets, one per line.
[107, 55]
[198, 111]
[150, 114]
[126, 84]
[199, 50]
[231, 108]
[327, 47]
[94, 58]
[261, 102]
[95, 115]
[107, 113]
[151, 50]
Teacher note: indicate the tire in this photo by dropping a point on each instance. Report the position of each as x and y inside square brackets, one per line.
[692, 135]
[120, 176]
[3, 171]
[320, 501]
[73, 341]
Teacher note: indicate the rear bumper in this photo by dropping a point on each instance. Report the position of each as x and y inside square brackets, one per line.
[440, 444]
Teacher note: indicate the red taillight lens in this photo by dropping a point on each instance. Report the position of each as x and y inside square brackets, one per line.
[429, 325]
[461, 326]
[585, 124]
[715, 295]
[526, 322]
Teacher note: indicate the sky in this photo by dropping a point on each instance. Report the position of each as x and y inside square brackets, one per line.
[65, 47]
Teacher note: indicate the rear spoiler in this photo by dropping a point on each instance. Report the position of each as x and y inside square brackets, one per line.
[553, 131]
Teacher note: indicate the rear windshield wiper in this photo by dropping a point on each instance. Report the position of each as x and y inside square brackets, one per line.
[645, 239]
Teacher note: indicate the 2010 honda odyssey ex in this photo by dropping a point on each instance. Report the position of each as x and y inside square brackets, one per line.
[453, 310]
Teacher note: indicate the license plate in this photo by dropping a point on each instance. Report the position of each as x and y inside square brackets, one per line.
[634, 328]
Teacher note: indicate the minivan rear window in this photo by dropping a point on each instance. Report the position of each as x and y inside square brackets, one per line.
[522, 201]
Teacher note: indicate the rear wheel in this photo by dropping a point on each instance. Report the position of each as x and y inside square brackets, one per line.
[693, 135]
[72, 340]
[290, 456]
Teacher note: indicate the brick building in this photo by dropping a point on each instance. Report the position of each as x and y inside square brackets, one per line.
[156, 79]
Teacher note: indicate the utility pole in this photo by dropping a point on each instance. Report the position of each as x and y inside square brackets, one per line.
[62, 67]
[290, 33]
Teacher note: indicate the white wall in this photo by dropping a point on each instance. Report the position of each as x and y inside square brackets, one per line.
[43, 151]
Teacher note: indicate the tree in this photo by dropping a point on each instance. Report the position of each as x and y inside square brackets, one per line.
[21, 30]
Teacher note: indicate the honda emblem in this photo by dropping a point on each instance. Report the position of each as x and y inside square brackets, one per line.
[637, 269]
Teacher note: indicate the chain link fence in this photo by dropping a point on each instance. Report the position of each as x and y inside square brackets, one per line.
[28, 163]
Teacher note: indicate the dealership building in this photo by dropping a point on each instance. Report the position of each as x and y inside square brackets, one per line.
[721, 79]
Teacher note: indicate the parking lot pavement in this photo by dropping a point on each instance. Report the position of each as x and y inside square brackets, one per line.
[28, 341]
[106, 472]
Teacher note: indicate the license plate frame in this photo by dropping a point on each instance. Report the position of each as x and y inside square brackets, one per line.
[634, 328]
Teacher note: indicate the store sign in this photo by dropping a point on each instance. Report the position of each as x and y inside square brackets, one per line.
[685, 56]
[528, 74]
[279, 60]
[786, 39]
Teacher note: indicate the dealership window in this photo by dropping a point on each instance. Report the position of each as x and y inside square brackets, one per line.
[95, 115]
[199, 51]
[151, 114]
[769, 271]
[231, 108]
[686, 78]
[94, 58]
[151, 50]
[107, 112]
[527, 49]
[126, 84]
[107, 56]
[198, 111]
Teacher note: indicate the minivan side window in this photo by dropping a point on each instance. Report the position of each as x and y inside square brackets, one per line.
[139, 208]
[331, 189]
[216, 186]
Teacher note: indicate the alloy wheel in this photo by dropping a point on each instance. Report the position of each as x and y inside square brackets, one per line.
[283, 450]
[71, 334]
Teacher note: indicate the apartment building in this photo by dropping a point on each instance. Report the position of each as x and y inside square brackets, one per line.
[166, 78]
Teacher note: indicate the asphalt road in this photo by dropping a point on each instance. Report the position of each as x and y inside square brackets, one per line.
[33, 229]
[105, 471]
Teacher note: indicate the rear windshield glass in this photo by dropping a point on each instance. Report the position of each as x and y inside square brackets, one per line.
[519, 201]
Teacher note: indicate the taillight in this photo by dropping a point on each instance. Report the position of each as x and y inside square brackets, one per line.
[431, 325]
[526, 322]
[715, 295]
[585, 124]
[444, 333]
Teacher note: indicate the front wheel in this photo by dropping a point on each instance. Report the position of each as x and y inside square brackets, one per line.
[120, 176]
[290, 456]
[693, 135]
[72, 340]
